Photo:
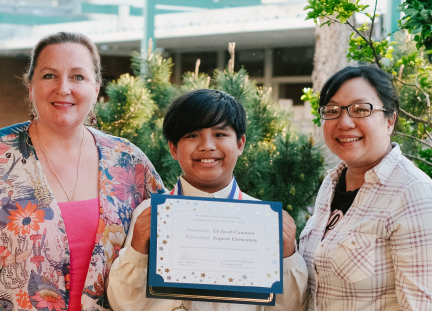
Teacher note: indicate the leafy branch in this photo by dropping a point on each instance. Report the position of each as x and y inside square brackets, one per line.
[414, 118]
[370, 42]
[415, 138]
[373, 21]
[418, 159]
[424, 93]
[418, 19]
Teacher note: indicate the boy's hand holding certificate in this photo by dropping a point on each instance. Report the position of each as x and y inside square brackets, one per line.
[215, 249]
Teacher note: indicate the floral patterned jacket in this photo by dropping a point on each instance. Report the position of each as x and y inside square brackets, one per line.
[34, 251]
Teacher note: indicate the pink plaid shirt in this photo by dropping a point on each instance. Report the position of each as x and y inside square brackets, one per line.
[379, 256]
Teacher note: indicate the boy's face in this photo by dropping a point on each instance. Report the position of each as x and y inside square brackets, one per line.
[208, 156]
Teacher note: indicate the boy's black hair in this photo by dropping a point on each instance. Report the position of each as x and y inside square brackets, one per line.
[201, 109]
[377, 78]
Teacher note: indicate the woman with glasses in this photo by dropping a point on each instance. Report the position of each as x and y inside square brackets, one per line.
[368, 245]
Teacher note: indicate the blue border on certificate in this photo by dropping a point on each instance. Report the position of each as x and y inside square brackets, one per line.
[158, 281]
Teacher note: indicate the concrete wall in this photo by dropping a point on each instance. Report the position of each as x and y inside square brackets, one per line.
[13, 94]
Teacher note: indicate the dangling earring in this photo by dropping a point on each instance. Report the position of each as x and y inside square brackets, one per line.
[93, 118]
[32, 117]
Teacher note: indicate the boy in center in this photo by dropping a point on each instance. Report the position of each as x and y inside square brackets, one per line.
[205, 130]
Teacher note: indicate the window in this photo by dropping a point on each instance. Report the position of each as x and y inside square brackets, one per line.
[208, 62]
[293, 91]
[294, 61]
[251, 60]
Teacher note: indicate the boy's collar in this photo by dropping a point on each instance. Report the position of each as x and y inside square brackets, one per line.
[189, 190]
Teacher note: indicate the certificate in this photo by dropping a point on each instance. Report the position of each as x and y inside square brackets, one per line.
[215, 250]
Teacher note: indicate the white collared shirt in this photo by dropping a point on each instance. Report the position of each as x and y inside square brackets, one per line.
[379, 256]
[191, 191]
[128, 275]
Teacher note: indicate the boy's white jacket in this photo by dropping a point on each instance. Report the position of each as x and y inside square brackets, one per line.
[128, 275]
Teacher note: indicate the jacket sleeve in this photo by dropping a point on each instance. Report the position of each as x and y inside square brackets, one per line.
[410, 230]
[295, 277]
[128, 274]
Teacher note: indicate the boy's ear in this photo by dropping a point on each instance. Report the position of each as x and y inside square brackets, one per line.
[240, 144]
[173, 150]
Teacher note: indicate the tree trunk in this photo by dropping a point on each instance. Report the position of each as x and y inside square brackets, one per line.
[330, 57]
[330, 52]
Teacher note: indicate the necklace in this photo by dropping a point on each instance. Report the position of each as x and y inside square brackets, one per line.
[52, 168]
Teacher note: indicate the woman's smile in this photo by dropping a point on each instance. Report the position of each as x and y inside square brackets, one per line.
[62, 104]
[348, 140]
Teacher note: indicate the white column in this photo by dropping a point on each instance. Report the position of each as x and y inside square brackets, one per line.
[221, 60]
[268, 73]
[144, 69]
[268, 67]
[177, 69]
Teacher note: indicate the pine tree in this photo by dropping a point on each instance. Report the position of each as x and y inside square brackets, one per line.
[129, 108]
[277, 164]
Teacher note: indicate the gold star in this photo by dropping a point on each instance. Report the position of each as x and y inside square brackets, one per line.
[203, 275]
[277, 242]
[268, 275]
[157, 235]
[164, 242]
[167, 208]
[194, 209]
[276, 272]
[231, 280]
[164, 222]
[158, 213]
[274, 254]
[161, 258]
[167, 270]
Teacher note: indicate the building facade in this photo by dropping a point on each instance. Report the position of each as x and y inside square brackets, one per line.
[274, 43]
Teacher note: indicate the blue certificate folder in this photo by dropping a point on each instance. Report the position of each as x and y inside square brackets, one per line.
[165, 279]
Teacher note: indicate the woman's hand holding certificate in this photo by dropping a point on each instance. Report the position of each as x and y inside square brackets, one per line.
[289, 233]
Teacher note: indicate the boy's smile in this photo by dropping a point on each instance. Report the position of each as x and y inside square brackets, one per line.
[208, 156]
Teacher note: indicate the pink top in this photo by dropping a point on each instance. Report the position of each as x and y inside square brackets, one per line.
[81, 221]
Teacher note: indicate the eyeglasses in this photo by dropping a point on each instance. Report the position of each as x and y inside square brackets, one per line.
[354, 110]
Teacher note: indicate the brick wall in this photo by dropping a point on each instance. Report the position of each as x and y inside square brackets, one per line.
[13, 94]
[13, 106]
